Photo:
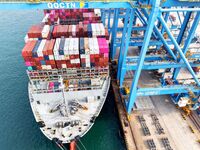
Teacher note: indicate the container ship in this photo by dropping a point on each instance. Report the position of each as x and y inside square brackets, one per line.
[67, 58]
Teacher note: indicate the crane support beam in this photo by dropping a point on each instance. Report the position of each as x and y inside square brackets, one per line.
[147, 36]
[158, 65]
[161, 38]
[124, 48]
[188, 41]
[166, 90]
[179, 50]
[121, 52]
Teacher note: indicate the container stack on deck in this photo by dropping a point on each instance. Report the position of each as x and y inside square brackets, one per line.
[71, 16]
[68, 23]
[78, 44]
[62, 53]
[38, 55]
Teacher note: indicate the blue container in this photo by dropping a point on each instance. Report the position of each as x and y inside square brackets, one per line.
[62, 43]
[42, 62]
[61, 52]
[46, 57]
[61, 46]
[81, 46]
[51, 31]
[92, 64]
[56, 84]
[198, 111]
[34, 67]
[34, 51]
[83, 65]
[89, 28]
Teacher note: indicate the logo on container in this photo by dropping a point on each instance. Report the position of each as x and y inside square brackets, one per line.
[61, 5]
[67, 5]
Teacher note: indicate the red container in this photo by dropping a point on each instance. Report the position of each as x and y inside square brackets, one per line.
[52, 62]
[39, 67]
[47, 62]
[51, 46]
[27, 50]
[53, 66]
[70, 30]
[35, 31]
[48, 48]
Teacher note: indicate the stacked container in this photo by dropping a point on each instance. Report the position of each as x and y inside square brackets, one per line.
[93, 52]
[71, 16]
[66, 53]
[38, 55]
[80, 44]
[39, 31]
[80, 30]
[60, 30]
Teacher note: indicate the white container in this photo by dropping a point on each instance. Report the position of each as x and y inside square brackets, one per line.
[66, 46]
[66, 57]
[62, 57]
[77, 61]
[71, 43]
[88, 65]
[102, 29]
[87, 57]
[98, 29]
[73, 30]
[51, 57]
[56, 57]
[45, 19]
[97, 12]
[56, 46]
[45, 31]
[48, 66]
[83, 56]
[40, 48]
[76, 44]
[64, 66]
[44, 67]
[93, 29]
[72, 61]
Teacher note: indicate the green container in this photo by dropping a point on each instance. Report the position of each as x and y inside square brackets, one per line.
[30, 68]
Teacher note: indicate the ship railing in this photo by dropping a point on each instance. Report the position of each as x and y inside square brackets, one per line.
[69, 73]
[40, 91]
[66, 77]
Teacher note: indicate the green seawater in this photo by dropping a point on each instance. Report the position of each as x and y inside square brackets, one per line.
[18, 129]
